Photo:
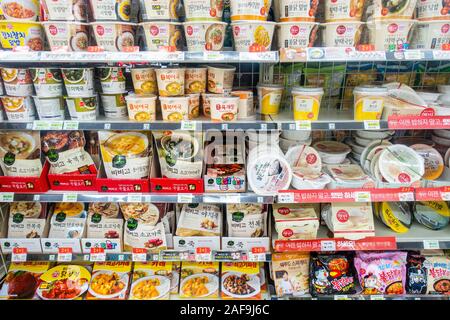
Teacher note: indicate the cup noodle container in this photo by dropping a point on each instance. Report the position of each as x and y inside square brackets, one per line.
[269, 96]
[432, 10]
[159, 34]
[252, 35]
[170, 81]
[383, 9]
[390, 34]
[64, 10]
[79, 82]
[67, 36]
[342, 34]
[144, 80]
[343, 10]
[82, 108]
[203, 10]
[162, 10]
[174, 108]
[110, 10]
[18, 82]
[51, 108]
[431, 34]
[206, 102]
[295, 10]
[306, 103]
[250, 9]
[224, 109]
[194, 105]
[246, 107]
[114, 36]
[220, 78]
[369, 102]
[204, 35]
[297, 34]
[195, 80]
[18, 108]
[141, 107]
[112, 79]
[47, 82]
[114, 105]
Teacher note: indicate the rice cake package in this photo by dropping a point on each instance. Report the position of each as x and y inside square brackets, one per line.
[247, 220]
[199, 219]
[20, 153]
[65, 152]
[22, 280]
[241, 280]
[104, 221]
[26, 219]
[125, 154]
[68, 220]
[109, 280]
[151, 281]
[291, 273]
[199, 280]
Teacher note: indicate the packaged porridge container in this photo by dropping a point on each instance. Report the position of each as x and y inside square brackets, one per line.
[26, 220]
[206, 103]
[110, 280]
[294, 10]
[49, 108]
[391, 9]
[82, 108]
[144, 80]
[114, 36]
[112, 10]
[163, 10]
[170, 81]
[250, 9]
[19, 10]
[253, 35]
[199, 280]
[175, 108]
[269, 96]
[112, 79]
[203, 10]
[205, 35]
[390, 34]
[433, 10]
[431, 35]
[162, 34]
[151, 281]
[64, 10]
[114, 105]
[68, 221]
[70, 36]
[306, 102]
[342, 34]
[224, 108]
[18, 82]
[220, 78]
[246, 106]
[79, 82]
[141, 107]
[343, 10]
[369, 102]
[195, 80]
[194, 105]
[47, 82]
[297, 34]
[18, 108]
[15, 33]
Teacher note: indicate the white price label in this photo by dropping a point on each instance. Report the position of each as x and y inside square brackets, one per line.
[303, 125]
[327, 245]
[260, 199]
[7, 197]
[341, 297]
[431, 244]
[445, 196]
[188, 125]
[331, 126]
[263, 126]
[19, 255]
[70, 125]
[286, 197]
[107, 126]
[224, 126]
[36, 197]
[441, 54]
[146, 126]
[231, 198]
[56, 125]
[64, 255]
[414, 54]
[70, 197]
[139, 255]
[134, 197]
[203, 254]
[256, 256]
[120, 257]
[362, 196]
[41, 125]
[212, 55]
[371, 124]
[98, 255]
[185, 198]
[406, 196]
[377, 297]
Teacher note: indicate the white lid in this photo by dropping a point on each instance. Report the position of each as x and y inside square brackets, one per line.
[316, 90]
[401, 164]
[370, 89]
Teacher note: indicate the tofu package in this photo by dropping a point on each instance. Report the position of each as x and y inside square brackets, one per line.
[104, 221]
[151, 281]
[68, 221]
[110, 280]
[26, 220]
[247, 220]
[241, 280]
[295, 221]
[199, 280]
[199, 219]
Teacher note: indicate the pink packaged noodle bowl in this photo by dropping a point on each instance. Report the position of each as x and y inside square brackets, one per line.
[381, 272]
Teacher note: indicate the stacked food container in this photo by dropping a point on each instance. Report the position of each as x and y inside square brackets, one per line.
[81, 99]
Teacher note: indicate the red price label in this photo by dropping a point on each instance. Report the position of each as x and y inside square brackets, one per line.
[95, 49]
[365, 47]
[64, 250]
[258, 250]
[445, 46]
[203, 250]
[139, 254]
[139, 250]
[168, 48]
[97, 250]
[257, 48]
[64, 254]
[130, 49]
[19, 250]
[19, 255]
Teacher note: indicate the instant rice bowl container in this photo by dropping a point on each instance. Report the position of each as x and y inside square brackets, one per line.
[114, 36]
[304, 160]
[293, 10]
[431, 34]
[332, 152]
[17, 82]
[394, 9]
[390, 34]
[82, 108]
[269, 97]
[301, 182]
[170, 81]
[110, 10]
[306, 103]
[20, 10]
[401, 164]
[47, 82]
[369, 102]
[162, 10]
[203, 10]
[64, 10]
[18, 108]
[433, 161]
[112, 79]
[342, 34]
[144, 80]
[51, 108]
[246, 107]
[297, 34]
[250, 9]
[70, 36]
[204, 35]
[141, 107]
[432, 10]
[174, 108]
[159, 34]
[252, 35]
[206, 103]
[15, 33]
[343, 10]
[224, 109]
[195, 80]
[114, 105]
[79, 82]
[220, 78]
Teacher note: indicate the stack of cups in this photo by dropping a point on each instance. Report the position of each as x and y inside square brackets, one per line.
[259, 138]
[291, 138]
[269, 96]
[48, 100]
[141, 103]
[112, 80]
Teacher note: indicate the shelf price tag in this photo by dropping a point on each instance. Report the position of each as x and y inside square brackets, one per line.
[431, 244]
[327, 245]
[287, 197]
[7, 197]
[414, 54]
[19, 255]
[445, 196]
[257, 254]
[64, 255]
[41, 125]
[70, 125]
[377, 297]
[303, 125]
[185, 198]
[203, 254]
[406, 196]
[56, 125]
[70, 197]
[188, 125]
[212, 55]
[362, 196]
[134, 197]
[139, 255]
[231, 198]
[98, 255]
[371, 124]
[341, 297]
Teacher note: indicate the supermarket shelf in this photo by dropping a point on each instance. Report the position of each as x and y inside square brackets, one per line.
[370, 297]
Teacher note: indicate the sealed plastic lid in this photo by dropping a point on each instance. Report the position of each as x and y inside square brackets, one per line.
[306, 90]
[270, 85]
[370, 90]
[401, 164]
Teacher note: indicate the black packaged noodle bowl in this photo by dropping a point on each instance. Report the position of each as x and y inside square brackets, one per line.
[125, 154]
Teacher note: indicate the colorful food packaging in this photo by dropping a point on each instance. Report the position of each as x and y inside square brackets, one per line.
[174, 108]
[220, 78]
[47, 82]
[291, 273]
[68, 221]
[144, 80]
[395, 215]
[247, 220]
[199, 219]
[416, 274]
[112, 79]
[114, 36]
[240, 280]
[434, 215]
[175, 280]
[17, 82]
[20, 153]
[18, 34]
[161, 10]
[22, 280]
[64, 10]
[20, 10]
[294, 221]
[160, 34]
[170, 81]
[199, 280]
[203, 10]
[109, 281]
[82, 108]
[70, 36]
[141, 107]
[205, 35]
[79, 82]
[104, 221]
[26, 220]
[250, 9]
[252, 36]
[195, 80]
[381, 272]
[151, 281]
[428, 274]
[18, 108]
[112, 10]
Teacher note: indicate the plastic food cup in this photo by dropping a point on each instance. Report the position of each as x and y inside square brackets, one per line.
[47, 82]
[195, 80]
[174, 108]
[170, 81]
[67, 36]
[162, 10]
[224, 109]
[194, 105]
[431, 35]
[342, 34]
[291, 10]
[82, 108]
[114, 105]
[390, 34]
[203, 10]
[112, 79]
[220, 78]
[114, 36]
[50, 108]
[432, 10]
[204, 35]
[159, 34]
[18, 108]
[144, 80]
[246, 106]
[297, 34]
[17, 82]
[79, 82]
[269, 96]
[404, 9]
[306, 102]
[253, 35]
[250, 9]
[110, 10]
[65, 10]
[369, 102]
[206, 102]
[141, 107]
[343, 10]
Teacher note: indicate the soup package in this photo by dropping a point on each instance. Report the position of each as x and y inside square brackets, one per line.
[332, 274]
[26, 219]
[125, 154]
[20, 153]
[65, 152]
[199, 219]
[199, 280]
[151, 281]
[104, 221]
[180, 153]
[68, 220]
[241, 280]
[291, 273]
[109, 280]
[381, 272]
[247, 220]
